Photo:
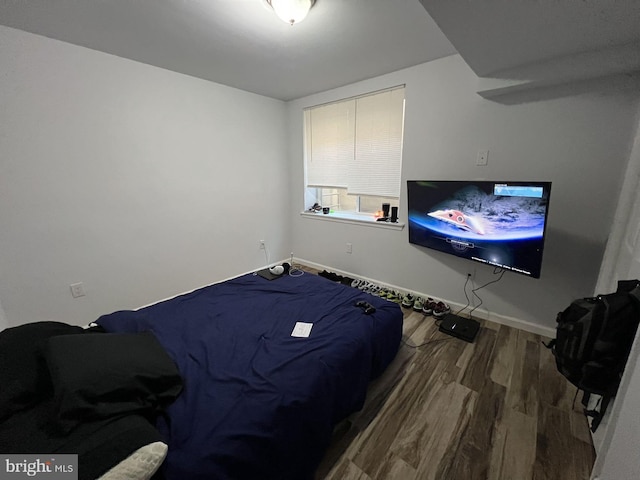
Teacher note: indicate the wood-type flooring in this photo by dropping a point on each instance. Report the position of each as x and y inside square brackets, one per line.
[451, 410]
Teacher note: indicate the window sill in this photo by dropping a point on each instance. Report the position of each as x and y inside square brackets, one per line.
[353, 218]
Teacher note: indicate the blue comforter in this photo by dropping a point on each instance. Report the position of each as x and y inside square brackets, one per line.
[257, 402]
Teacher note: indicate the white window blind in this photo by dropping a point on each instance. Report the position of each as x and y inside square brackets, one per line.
[330, 136]
[357, 144]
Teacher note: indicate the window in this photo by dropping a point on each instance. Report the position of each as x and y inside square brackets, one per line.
[353, 152]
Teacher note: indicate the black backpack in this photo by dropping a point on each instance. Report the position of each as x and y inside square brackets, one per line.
[593, 339]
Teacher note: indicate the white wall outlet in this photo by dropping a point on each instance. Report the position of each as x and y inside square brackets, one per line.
[77, 290]
[483, 158]
[349, 247]
[262, 245]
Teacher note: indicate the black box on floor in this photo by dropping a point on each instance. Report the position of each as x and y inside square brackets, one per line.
[460, 327]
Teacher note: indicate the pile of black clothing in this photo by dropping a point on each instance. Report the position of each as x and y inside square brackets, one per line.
[70, 390]
[334, 277]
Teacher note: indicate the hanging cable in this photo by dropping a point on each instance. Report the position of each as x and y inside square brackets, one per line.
[496, 271]
[293, 270]
[464, 289]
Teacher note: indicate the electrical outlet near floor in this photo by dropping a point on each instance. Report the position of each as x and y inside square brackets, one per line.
[349, 247]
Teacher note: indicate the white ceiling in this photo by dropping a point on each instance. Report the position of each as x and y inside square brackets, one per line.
[521, 45]
[500, 35]
[243, 44]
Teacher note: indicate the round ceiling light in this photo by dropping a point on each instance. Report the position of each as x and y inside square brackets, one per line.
[291, 11]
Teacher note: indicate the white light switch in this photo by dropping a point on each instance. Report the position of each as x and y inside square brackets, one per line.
[483, 158]
[77, 290]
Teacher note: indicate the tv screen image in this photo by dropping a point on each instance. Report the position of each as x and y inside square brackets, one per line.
[497, 223]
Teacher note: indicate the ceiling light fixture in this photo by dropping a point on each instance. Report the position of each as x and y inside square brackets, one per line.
[291, 11]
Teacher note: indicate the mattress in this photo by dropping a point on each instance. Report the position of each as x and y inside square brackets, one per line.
[269, 367]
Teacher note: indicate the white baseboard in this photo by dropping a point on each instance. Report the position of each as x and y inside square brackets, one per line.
[214, 283]
[478, 313]
[455, 306]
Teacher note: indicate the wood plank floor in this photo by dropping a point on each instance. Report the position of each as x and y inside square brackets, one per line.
[451, 410]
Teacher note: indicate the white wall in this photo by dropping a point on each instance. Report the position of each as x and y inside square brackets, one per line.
[3, 319]
[617, 439]
[139, 182]
[618, 457]
[581, 143]
[622, 255]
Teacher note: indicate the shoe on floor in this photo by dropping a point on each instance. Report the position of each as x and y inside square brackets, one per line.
[428, 306]
[393, 296]
[408, 301]
[372, 288]
[418, 304]
[441, 309]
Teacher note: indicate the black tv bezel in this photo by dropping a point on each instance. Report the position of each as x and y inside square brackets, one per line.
[545, 184]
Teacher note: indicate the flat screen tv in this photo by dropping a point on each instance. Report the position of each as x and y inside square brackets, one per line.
[496, 223]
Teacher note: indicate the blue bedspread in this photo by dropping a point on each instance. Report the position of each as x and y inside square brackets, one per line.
[258, 403]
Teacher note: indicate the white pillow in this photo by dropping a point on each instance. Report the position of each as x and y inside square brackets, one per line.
[140, 465]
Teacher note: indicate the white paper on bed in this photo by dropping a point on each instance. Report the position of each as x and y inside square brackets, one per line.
[302, 329]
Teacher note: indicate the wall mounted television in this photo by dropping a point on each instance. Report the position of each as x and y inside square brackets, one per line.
[496, 223]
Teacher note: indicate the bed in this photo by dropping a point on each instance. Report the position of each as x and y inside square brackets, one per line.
[260, 393]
